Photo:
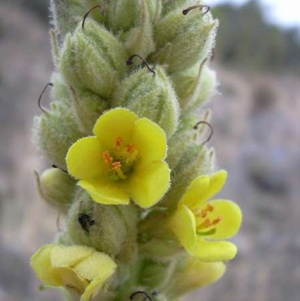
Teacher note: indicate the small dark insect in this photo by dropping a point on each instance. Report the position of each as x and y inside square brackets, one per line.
[85, 222]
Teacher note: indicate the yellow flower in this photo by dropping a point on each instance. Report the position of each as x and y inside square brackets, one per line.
[123, 161]
[199, 225]
[76, 267]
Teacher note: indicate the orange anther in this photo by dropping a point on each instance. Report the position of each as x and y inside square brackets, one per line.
[205, 224]
[116, 165]
[217, 220]
[119, 141]
[107, 157]
[203, 213]
[209, 207]
[130, 148]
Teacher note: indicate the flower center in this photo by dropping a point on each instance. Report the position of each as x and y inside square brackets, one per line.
[206, 224]
[120, 159]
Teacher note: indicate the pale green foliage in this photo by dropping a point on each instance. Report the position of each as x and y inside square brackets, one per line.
[195, 160]
[93, 75]
[55, 132]
[150, 96]
[177, 4]
[109, 229]
[194, 86]
[86, 105]
[93, 59]
[171, 36]
[56, 187]
[123, 15]
[140, 38]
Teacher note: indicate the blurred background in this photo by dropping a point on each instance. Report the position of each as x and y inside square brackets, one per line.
[257, 138]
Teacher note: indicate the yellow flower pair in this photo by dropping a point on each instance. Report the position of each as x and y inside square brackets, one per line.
[200, 224]
[123, 161]
[79, 268]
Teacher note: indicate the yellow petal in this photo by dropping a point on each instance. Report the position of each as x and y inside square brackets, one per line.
[203, 188]
[84, 158]
[183, 224]
[231, 218]
[216, 184]
[41, 264]
[192, 197]
[115, 123]
[70, 279]
[97, 268]
[68, 256]
[150, 140]
[149, 183]
[106, 192]
[213, 250]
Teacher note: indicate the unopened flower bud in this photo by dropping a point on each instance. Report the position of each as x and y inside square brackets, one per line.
[193, 273]
[93, 59]
[132, 21]
[155, 9]
[150, 95]
[187, 161]
[55, 132]
[110, 229]
[175, 29]
[123, 14]
[155, 274]
[195, 86]
[87, 106]
[195, 161]
[140, 38]
[56, 187]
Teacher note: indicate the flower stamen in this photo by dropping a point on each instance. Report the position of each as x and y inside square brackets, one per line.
[203, 212]
[120, 159]
[207, 223]
[130, 148]
[107, 158]
[119, 142]
[117, 167]
[216, 221]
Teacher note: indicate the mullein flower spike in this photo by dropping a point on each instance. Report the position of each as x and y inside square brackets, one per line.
[132, 169]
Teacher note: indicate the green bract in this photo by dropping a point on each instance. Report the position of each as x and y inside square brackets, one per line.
[183, 40]
[150, 95]
[55, 132]
[93, 59]
[56, 187]
[109, 229]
